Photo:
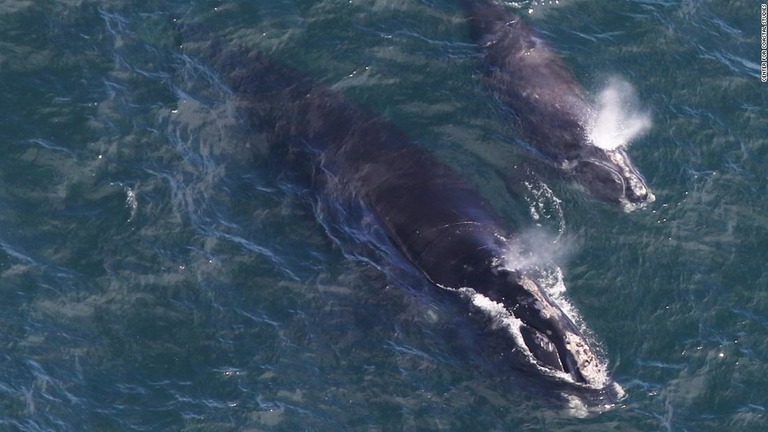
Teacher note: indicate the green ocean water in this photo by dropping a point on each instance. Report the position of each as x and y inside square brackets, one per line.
[158, 271]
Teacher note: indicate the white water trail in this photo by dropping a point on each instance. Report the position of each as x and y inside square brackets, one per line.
[618, 120]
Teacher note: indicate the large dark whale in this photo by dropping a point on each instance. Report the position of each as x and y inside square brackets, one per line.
[552, 112]
[433, 216]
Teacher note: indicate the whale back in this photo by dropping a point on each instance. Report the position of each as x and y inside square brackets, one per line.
[532, 80]
[432, 214]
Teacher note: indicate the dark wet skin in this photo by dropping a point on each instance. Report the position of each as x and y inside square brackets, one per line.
[435, 218]
[550, 108]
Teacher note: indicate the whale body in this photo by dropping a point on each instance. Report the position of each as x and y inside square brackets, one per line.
[552, 112]
[433, 216]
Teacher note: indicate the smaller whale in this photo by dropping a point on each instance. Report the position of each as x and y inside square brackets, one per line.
[552, 111]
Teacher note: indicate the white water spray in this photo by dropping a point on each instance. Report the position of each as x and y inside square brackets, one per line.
[618, 119]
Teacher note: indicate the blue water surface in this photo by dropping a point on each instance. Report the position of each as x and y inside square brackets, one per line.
[159, 270]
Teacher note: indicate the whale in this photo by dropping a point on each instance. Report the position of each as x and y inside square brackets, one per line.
[443, 227]
[550, 109]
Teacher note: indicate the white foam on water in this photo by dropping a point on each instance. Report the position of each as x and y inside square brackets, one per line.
[545, 206]
[618, 119]
[131, 202]
[580, 408]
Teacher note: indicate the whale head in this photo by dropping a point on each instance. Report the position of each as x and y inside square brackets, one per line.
[550, 342]
[610, 175]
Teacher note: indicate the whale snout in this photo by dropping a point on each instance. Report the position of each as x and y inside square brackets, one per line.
[611, 176]
[551, 351]
[553, 339]
[549, 339]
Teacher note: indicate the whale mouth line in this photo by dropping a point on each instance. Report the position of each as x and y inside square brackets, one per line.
[614, 170]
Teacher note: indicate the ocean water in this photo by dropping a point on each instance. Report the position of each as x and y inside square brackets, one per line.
[160, 271]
